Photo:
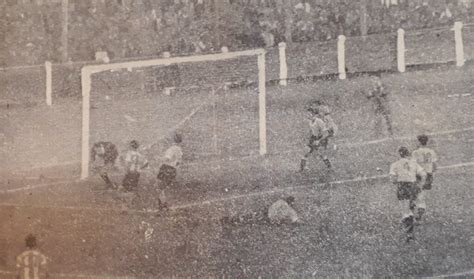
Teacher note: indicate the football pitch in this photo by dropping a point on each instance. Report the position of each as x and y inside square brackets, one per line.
[351, 220]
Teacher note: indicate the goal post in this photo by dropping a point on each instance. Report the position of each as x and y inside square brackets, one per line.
[87, 73]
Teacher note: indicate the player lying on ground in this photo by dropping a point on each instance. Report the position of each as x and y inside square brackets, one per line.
[134, 162]
[426, 158]
[106, 153]
[282, 211]
[168, 170]
[406, 174]
[32, 264]
[322, 128]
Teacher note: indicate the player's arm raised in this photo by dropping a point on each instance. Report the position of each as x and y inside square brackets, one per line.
[434, 161]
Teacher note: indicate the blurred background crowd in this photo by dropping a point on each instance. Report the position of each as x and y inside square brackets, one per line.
[62, 30]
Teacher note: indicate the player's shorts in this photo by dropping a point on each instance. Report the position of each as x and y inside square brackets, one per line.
[166, 173]
[314, 147]
[428, 181]
[130, 181]
[407, 191]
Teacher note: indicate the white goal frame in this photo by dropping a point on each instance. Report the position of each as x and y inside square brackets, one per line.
[88, 71]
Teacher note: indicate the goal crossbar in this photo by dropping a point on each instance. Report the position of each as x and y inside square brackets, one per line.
[88, 71]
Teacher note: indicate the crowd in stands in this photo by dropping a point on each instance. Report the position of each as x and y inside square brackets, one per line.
[141, 28]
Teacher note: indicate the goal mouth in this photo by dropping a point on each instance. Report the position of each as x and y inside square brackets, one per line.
[184, 89]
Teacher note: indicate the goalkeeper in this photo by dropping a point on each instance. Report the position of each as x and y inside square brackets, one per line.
[106, 153]
[168, 170]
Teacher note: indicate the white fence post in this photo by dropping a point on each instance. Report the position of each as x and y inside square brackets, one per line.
[459, 43]
[262, 104]
[341, 56]
[167, 90]
[49, 83]
[283, 65]
[401, 50]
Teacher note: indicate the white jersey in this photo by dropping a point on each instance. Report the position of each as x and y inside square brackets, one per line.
[174, 156]
[281, 211]
[406, 170]
[426, 158]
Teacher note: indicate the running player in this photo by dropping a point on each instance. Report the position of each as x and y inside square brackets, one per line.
[426, 158]
[405, 173]
[322, 128]
[134, 163]
[32, 264]
[168, 170]
[107, 153]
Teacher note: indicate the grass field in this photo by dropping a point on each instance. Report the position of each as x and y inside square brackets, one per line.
[351, 218]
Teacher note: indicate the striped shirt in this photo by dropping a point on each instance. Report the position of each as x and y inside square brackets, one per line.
[426, 158]
[134, 161]
[31, 264]
[318, 127]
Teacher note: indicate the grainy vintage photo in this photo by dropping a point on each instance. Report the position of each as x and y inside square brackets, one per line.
[236, 139]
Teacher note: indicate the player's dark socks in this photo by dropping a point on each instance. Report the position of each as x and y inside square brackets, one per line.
[409, 224]
[107, 181]
[302, 165]
[164, 206]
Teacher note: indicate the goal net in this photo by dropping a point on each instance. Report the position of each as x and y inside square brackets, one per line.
[216, 101]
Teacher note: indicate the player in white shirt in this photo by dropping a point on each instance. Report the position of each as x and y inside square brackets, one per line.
[427, 159]
[405, 174]
[167, 174]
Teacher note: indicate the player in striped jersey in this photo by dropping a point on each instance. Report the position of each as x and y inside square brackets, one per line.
[32, 264]
[134, 163]
[426, 158]
[322, 128]
[405, 174]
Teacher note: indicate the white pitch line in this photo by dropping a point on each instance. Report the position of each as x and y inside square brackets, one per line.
[32, 187]
[289, 151]
[231, 198]
[459, 274]
[64, 275]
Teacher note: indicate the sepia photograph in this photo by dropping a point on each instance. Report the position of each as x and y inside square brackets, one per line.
[236, 139]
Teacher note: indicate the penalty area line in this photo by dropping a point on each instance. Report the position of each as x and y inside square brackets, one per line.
[33, 187]
[452, 275]
[231, 198]
[64, 275]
